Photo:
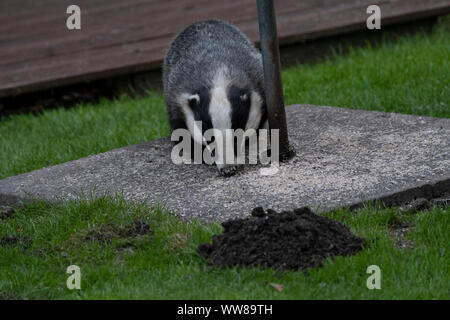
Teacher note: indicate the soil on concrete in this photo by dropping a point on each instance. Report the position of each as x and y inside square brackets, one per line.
[289, 240]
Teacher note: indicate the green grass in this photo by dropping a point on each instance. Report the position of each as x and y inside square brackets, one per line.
[409, 75]
[158, 266]
[30, 142]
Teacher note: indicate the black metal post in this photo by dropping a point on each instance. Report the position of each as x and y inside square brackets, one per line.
[272, 74]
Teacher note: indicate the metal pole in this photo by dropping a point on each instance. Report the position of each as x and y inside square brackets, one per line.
[272, 74]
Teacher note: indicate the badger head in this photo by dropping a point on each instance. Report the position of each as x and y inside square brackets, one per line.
[227, 102]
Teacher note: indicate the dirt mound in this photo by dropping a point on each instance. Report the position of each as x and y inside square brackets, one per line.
[292, 240]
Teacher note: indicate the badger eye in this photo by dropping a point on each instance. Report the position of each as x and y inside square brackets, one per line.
[193, 101]
[244, 97]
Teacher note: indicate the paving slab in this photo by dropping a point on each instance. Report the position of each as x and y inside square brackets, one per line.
[344, 158]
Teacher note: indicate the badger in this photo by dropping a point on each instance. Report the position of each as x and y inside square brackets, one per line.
[212, 73]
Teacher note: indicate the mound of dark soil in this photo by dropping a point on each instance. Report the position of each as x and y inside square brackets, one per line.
[292, 240]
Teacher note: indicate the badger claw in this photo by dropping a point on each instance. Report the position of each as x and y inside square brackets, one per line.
[228, 171]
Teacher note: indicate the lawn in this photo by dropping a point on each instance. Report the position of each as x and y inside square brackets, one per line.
[164, 264]
[408, 75]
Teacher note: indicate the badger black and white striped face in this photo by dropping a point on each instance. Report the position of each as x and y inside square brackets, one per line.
[233, 105]
[223, 105]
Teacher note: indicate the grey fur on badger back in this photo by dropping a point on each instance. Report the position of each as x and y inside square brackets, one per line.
[213, 73]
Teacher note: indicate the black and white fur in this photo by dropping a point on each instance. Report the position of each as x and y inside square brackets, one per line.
[213, 73]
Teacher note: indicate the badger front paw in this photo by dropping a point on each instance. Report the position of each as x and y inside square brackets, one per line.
[228, 171]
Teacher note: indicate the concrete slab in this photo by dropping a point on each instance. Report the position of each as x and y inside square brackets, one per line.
[344, 157]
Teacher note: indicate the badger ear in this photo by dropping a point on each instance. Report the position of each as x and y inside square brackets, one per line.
[193, 100]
